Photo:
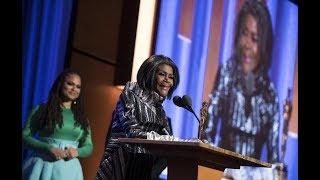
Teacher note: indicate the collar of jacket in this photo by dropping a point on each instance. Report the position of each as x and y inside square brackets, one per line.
[145, 95]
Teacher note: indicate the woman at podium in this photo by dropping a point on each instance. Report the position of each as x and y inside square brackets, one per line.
[138, 112]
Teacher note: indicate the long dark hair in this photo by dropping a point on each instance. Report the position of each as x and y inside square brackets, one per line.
[260, 12]
[147, 73]
[50, 113]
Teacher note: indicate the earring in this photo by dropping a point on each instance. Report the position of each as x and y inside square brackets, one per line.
[74, 102]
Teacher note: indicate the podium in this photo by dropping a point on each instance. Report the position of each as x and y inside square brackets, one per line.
[183, 157]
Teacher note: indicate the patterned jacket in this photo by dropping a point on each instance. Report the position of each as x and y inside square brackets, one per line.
[249, 118]
[137, 113]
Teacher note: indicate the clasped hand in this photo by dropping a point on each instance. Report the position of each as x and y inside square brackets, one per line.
[66, 154]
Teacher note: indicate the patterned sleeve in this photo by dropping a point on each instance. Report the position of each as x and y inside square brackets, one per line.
[169, 126]
[125, 115]
[273, 133]
[215, 106]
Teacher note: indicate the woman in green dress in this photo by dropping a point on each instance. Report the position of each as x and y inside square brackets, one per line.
[62, 130]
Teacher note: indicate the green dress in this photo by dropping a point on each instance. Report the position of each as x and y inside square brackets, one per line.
[41, 165]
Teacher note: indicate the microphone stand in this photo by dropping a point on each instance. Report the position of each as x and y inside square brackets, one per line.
[189, 108]
[186, 104]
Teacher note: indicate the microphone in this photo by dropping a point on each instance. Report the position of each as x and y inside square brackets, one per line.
[186, 103]
[250, 83]
[249, 90]
[177, 100]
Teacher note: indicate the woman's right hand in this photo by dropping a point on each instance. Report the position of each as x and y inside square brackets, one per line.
[58, 153]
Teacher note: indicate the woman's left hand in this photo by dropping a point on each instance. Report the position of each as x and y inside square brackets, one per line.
[71, 152]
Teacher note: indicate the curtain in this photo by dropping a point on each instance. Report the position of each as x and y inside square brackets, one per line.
[45, 31]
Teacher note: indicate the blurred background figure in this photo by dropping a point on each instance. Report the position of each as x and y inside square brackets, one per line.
[244, 98]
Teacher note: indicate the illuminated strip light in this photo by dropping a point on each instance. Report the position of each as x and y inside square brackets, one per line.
[144, 35]
[184, 38]
[293, 135]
